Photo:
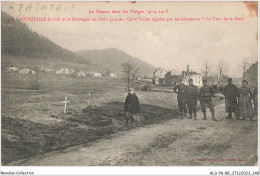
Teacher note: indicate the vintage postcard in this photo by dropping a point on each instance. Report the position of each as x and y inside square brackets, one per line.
[129, 84]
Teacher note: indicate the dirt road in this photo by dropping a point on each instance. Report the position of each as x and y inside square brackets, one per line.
[177, 142]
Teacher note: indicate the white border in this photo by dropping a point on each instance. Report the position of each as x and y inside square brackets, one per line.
[171, 170]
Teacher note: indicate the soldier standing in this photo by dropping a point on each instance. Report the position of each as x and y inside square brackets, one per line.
[181, 90]
[192, 99]
[230, 92]
[205, 96]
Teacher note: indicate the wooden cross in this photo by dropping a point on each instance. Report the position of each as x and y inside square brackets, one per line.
[65, 104]
[89, 97]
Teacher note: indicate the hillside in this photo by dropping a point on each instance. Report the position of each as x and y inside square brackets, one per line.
[19, 40]
[23, 47]
[112, 59]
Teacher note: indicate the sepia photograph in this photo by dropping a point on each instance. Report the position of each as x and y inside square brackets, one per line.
[129, 83]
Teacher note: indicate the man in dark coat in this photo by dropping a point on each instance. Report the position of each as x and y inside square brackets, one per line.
[181, 90]
[132, 105]
[230, 92]
[205, 94]
[192, 99]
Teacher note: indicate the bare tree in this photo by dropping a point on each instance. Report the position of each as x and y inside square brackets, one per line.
[206, 69]
[244, 66]
[130, 71]
[220, 70]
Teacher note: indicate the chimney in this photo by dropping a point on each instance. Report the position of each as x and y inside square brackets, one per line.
[188, 69]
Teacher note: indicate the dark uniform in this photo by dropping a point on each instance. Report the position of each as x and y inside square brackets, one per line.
[192, 99]
[181, 90]
[205, 94]
[230, 92]
[131, 106]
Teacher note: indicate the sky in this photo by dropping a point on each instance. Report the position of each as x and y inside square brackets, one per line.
[170, 45]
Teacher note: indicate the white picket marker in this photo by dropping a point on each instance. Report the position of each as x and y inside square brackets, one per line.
[89, 97]
[65, 104]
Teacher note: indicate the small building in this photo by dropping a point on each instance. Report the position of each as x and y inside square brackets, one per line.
[32, 72]
[12, 68]
[158, 76]
[81, 74]
[24, 71]
[49, 70]
[112, 75]
[63, 71]
[71, 71]
[97, 75]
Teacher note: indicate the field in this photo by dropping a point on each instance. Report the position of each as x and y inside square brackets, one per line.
[33, 121]
[34, 126]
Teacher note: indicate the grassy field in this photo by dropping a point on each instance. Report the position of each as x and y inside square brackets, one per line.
[33, 121]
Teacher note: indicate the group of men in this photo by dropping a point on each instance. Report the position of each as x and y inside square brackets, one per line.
[189, 95]
[237, 100]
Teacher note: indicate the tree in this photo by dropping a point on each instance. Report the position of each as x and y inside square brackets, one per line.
[244, 66]
[130, 71]
[220, 70]
[206, 69]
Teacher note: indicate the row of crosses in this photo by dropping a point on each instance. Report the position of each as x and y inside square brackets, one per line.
[66, 102]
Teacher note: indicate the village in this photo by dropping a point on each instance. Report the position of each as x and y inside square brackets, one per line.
[62, 71]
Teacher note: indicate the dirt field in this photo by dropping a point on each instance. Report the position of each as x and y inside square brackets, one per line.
[33, 125]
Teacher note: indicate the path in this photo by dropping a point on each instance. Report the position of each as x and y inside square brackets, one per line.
[177, 142]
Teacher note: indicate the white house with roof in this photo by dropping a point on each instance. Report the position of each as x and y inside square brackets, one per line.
[158, 76]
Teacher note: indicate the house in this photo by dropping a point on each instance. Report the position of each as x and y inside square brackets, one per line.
[71, 71]
[32, 72]
[197, 79]
[172, 78]
[97, 74]
[251, 75]
[81, 74]
[12, 68]
[63, 71]
[49, 70]
[24, 71]
[158, 76]
[112, 75]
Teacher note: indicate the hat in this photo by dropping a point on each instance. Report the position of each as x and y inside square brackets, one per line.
[181, 79]
[245, 81]
[131, 89]
[204, 80]
[229, 79]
